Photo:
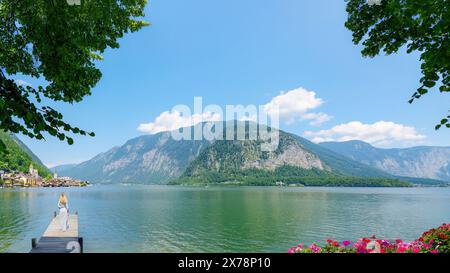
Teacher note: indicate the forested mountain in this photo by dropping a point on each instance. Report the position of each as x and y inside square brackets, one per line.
[18, 156]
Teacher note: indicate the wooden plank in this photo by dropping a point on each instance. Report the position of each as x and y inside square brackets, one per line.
[54, 240]
[54, 229]
[57, 245]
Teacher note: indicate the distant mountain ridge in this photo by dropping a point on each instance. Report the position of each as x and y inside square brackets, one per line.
[418, 162]
[158, 159]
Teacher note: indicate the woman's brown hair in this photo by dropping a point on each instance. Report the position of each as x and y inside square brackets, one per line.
[63, 199]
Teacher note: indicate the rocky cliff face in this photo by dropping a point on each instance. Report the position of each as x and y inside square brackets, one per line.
[228, 156]
[293, 155]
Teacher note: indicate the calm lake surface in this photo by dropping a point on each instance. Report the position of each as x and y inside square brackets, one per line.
[221, 219]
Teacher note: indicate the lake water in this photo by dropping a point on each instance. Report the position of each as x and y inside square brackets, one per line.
[221, 219]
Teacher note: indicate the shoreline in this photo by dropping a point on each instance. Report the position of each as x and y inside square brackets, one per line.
[84, 185]
[219, 185]
[222, 185]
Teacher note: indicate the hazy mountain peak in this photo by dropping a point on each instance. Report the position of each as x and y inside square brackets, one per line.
[422, 161]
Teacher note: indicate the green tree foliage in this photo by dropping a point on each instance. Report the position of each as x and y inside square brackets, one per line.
[61, 43]
[420, 25]
[48, 177]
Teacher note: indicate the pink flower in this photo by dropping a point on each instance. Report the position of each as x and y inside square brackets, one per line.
[373, 245]
[314, 248]
[401, 250]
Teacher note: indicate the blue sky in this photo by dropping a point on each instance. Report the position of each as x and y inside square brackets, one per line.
[247, 52]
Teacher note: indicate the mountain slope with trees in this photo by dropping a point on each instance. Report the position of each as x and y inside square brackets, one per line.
[18, 157]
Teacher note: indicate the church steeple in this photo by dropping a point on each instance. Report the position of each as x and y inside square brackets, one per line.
[32, 171]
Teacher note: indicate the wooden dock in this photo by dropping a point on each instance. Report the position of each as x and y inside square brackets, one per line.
[54, 240]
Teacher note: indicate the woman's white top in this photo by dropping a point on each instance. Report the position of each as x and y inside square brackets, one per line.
[66, 206]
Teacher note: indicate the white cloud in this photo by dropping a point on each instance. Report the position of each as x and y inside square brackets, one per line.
[317, 118]
[381, 133]
[22, 82]
[294, 105]
[172, 120]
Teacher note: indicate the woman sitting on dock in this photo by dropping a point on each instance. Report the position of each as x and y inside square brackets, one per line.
[63, 205]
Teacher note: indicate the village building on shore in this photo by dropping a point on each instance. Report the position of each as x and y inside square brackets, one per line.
[19, 179]
[32, 179]
[64, 182]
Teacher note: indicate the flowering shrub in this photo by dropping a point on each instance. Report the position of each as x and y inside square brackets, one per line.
[432, 241]
[439, 238]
